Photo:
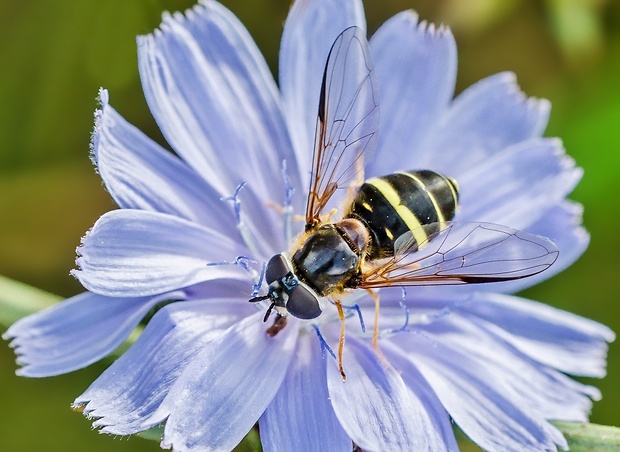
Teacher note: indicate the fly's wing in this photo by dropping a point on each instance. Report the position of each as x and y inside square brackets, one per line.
[347, 122]
[462, 253]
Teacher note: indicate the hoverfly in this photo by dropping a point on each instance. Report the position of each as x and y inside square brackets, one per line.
[395, 230]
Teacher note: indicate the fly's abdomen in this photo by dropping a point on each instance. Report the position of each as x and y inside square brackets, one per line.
[403, 202]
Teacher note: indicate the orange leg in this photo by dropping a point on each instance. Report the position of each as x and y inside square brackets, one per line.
[341, 342]
[278, 208]
[375, 328]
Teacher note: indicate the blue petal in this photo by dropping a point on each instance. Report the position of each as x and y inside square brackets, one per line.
[433, 418]
[139, 174]
[137, 253]
[524, 187]
[553, 337]
[227, 387]
[215, 100]
[497, 396]
[374, 406]
[77, 332]
[547, 335]
[309, 32]
[519, 185]
[562, 225]
[301, 417]
[416, 69]
[216, 103]
[485, 118]
[125, 397]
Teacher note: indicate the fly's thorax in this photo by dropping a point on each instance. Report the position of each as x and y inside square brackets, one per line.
[417, 203]
[326, 260]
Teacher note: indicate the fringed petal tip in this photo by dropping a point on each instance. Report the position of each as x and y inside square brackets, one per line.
[488, 117]
[181, 17]
[558, 339]
[103, 99]
[102, 424]
[77, 332]
[9, 335]
[508, 80]
[79, 253]
[80, 407]
[84, 407]
[532, 104]
[606, 333]
[566, 162]
[423, 26]
[21, 357]
[574, 217]
[23, 369]
[416, 65]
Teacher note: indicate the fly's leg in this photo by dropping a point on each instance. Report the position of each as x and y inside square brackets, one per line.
[375, 328]
[283, 210]
[278, 325]
[341, 342]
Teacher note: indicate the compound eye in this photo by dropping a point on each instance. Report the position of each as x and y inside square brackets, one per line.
[276, 269]
[303, 303]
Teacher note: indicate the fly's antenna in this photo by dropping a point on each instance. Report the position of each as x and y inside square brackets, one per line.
[268, 313]
[256, 299]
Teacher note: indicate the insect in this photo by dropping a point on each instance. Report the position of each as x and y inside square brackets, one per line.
[395, 230]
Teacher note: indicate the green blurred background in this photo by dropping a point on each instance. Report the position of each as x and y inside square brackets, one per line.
[55, 54]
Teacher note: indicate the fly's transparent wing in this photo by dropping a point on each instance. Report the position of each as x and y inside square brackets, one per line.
[463, 253]
[347, 121]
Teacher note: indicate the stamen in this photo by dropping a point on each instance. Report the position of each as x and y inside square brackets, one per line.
[235, 200]
[288, 206]
[256, 287]
[242, 261]
[356, 308]
[324, 345]
[428, 320]
[446, 311]
[243, 229]
[404, 306]
[406, 309]
[424, 335]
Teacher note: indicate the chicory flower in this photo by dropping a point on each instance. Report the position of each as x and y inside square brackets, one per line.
[195, 228]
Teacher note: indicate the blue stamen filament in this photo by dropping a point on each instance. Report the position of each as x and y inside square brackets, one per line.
[288, 205]
[324, 345]
[243, 229]
[447, 310]
[242, 261]
[356, 308]
[405, 308]
[256, 287]
[235, 200]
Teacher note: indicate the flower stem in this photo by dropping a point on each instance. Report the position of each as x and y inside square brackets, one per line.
[18, 300]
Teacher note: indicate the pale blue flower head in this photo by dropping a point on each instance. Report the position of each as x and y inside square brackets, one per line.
[196, 226]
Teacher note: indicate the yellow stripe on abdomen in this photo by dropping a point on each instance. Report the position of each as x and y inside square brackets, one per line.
[440, 218]
[408, 217]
